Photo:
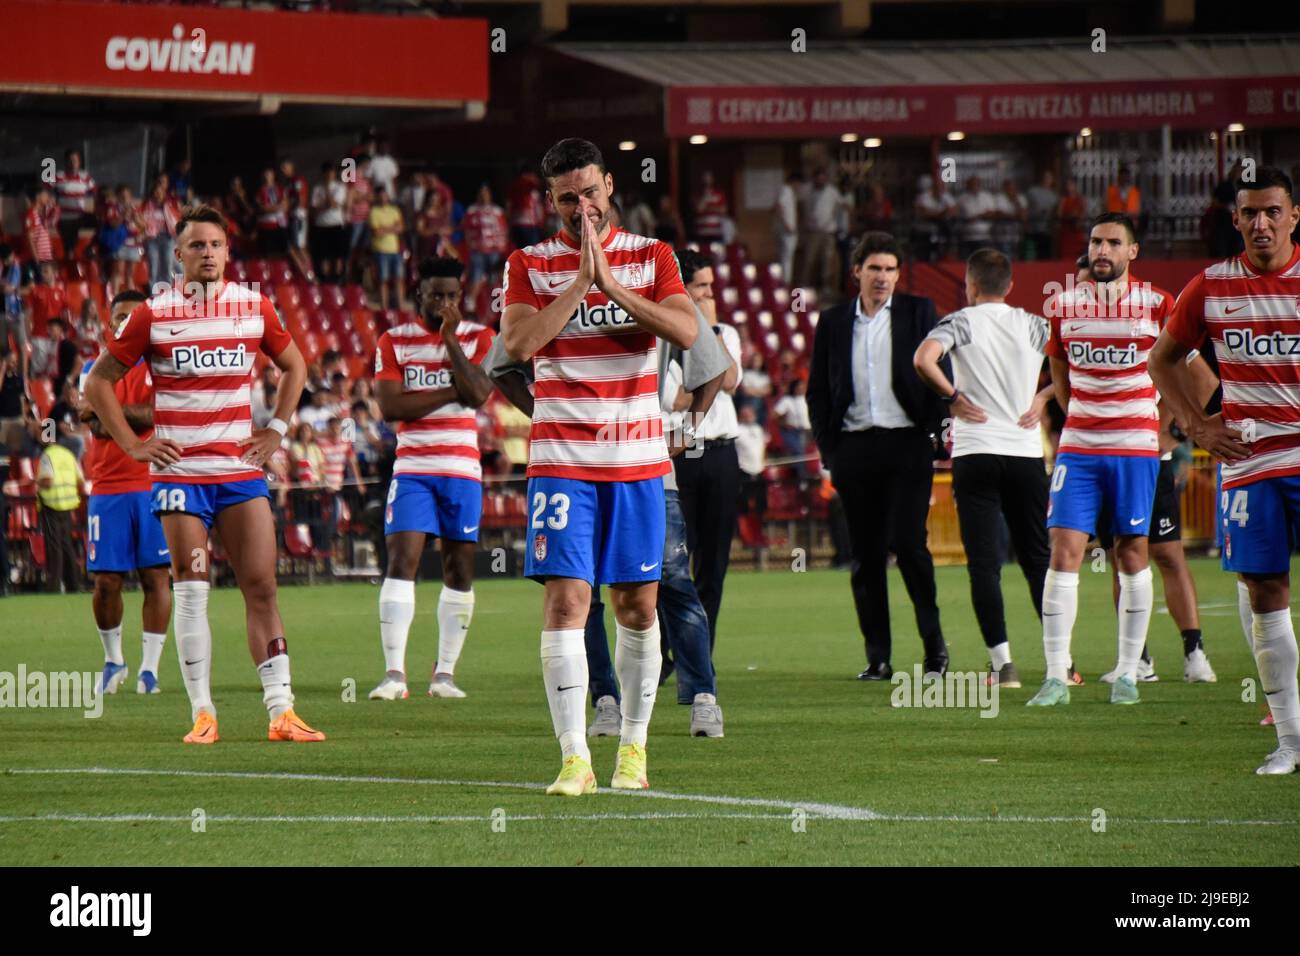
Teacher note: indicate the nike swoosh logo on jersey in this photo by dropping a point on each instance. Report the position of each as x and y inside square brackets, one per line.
[176, 331]
[649, 567]
[1231, 311]
[555, 285]
[469, 530]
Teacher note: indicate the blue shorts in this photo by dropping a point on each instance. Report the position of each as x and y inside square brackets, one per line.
[390, 265]
[123, 534]
[1083, 484]
[1260, 523]
[441, 505]
[204, 501]
[1218, 510]
[601, 532]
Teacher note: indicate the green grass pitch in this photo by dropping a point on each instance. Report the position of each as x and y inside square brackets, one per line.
[816, 768]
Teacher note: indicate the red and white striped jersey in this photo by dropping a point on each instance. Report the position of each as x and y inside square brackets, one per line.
[74, 191]
[336, 460]
[1112, 398]
[1253, 319]
[485, 229]
[445, 441]
[201, 355]
[596, 389]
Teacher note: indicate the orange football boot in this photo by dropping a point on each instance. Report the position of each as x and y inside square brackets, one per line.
[205, 730]
[289, 726]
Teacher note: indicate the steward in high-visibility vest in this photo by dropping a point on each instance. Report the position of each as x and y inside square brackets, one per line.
[57, 479]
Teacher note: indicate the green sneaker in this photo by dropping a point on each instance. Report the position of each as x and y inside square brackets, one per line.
[1124, 691]
[1052, 692]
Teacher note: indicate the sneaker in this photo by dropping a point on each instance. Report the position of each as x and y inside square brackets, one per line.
[289, 726]
[1074, 679]
[1146, 672]
[1006, 677]
[112, 678]
[205, 730]
[1052, 692]
[706, 716]
[629, 770]
[443, 686]
[1196, 668]
[609, 718]
[575, 779]
[1282, 761]
[1124, 691]
[390, 688]
[147, 684]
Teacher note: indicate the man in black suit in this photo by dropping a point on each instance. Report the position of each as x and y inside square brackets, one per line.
[878, 428]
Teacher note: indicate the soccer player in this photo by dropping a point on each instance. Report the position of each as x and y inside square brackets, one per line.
[123, 532]
[1247, 304]
[206, 460]
[428, 380]
[1109, 456]
[586, 305]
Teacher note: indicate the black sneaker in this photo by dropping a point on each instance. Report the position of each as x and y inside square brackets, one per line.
[1007, 677]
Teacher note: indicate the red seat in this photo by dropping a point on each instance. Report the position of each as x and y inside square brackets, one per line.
[286, 295]
[259, 271]
[281, 272]
[332, 296]
[354, 297]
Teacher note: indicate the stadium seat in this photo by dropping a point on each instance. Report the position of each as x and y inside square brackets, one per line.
[721, 276]
[354, 296]
[765, 321]
[750, 273]
[359, 366]
[799, 343]
[78, 291]
[738, 317]
[773, 343]
[42, 390]
[259, 271]
[310, 295]
[775, 274]
[287, 296]
[140, 276]
[333, 297]
[754, 298]
[730, 299]
[813, 316]
[738, 251]
[778, 299]
[717, 252]
[330, 341]
[281, 272]
[235, 271]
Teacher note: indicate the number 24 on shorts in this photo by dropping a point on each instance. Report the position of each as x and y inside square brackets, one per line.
[557, 521]
[1237, 512]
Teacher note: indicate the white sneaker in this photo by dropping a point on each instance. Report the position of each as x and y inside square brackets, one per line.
[1146, 672]
[1196, 668]
[112, 678]
[609, 718]
[706, 716]
[443, 686]
[390, 688]
[1279, 762]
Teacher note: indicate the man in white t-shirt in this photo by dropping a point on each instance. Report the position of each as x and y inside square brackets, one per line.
[997, 452]
[976, 209]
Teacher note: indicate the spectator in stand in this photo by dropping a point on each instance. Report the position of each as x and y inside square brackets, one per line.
[1123, 196]
[68, 427]
[1011, 208]
[511, 426]
[13, 329]
[434, 183]
[711, 213]
[295, 191]
[668, 222]
[239, 206]
[935, 209]
[816, 256]
[183, 182]
[63, 356]
[433, 227]
[60, 488]
[42, 216]
[363, 391]
[161, 212]
[131, 229]
[307, 462]
[751, 451]
[1070, 215]
[328, 235]
[785, 223]
[366, 440]
[792, 418]
[386, 229]
[1042, 200]
[12, 388]
[976, 210]
[383, 168]
[262, 396]
[357, 210]
[527, 211]
[340, 400]
[75, 189]
[272, 217]
[319, 411]
[755, 387]
[340, 465]
[47, 300]
[638, 218]
[486, 239]
[876, 214]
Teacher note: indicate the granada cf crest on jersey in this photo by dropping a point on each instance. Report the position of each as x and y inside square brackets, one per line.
[539, 546]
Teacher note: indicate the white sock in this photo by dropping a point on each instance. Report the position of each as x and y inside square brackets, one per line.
[637, 660]
[455, 611]
[564, 664]
[396, 611]
[1136, 598]
[277, 693]
[111, 638]
[152, 653]
[1277, 658]
[1246, 614]
[1060, 607]
[1000, 656]
[194, 643]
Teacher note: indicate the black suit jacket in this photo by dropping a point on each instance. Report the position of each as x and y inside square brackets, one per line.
[830, 382]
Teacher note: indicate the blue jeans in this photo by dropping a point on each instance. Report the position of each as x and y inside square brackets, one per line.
[682, 622]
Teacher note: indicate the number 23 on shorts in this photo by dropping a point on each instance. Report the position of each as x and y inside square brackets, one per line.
[559, 519]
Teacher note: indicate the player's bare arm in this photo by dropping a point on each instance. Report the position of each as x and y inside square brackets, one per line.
[397, 405]
[525, 328]
[471, 382]
[1061, 382]
[1173, 379]
[672, 319]
[701, 400]
[105, 373]
[926, 362]
[1037, 408]
[515, 388]
[261, 445]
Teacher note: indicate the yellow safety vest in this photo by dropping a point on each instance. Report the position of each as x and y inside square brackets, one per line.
[62, 495]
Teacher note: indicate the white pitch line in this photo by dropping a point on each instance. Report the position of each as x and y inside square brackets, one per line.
[814, 811]
[459, 818]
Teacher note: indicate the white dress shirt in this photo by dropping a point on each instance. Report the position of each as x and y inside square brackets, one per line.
[874, 403]
[721, 420]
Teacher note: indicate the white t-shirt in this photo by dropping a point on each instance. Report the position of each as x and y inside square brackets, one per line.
[751, 448]
[721, 421]
[793, 412]
[383, 172]
[328, 214]
[997, 353]
[970, 207]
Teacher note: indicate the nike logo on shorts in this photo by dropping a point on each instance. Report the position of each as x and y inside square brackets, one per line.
[470, 530]
[649, 567]
[1135, 521]
[162, 553]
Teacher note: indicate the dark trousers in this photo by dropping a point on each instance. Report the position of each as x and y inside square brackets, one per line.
[708, 486]
[988, 488]
[60, 552]
[883, 476]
